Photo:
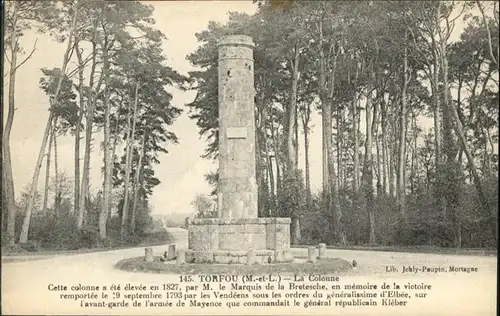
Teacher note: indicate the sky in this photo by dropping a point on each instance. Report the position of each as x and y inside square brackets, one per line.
[182, 170]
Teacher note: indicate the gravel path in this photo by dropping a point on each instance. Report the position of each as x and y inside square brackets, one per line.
[25, 283]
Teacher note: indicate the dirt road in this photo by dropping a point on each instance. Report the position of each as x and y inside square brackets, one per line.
[25, 285]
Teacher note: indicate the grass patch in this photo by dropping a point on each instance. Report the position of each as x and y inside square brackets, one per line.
[149, 239]
[324, 266]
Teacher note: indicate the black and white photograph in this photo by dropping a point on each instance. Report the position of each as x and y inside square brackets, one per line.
[257, 157]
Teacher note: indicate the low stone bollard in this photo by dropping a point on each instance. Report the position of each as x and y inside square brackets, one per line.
[311, 254]
[289, 257]
[278, 256]
[321, 251]
[149, 255]
[171, 252]
[164, 257]
[181, 257]
[251, 257]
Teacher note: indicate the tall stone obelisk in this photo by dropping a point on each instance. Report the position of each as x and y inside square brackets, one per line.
[237, 187]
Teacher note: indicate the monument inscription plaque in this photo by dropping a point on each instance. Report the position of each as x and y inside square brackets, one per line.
[236, 132]
[227, 238]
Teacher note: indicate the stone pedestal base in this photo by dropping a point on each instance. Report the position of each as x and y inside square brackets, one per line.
[222, 240]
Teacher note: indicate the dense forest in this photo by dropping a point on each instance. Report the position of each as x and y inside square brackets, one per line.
[111, 85]
[376, 72]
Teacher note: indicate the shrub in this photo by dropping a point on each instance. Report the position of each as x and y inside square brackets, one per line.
[89, 237]
[31, 245]
[315, 226]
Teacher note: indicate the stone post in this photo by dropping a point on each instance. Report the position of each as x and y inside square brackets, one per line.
[171, 252]
[311, 254]
[237, 187]
[278, 257]
[251, 257]
[149, 255]
[322, 251]
[181, 257]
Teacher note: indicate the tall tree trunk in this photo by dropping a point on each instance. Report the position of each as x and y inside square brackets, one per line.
[459, 131]
[367, 179]
[103, 214]
[491, 152]
[84, 187]
[7, 176]
[339, 147]
[89, 119]
[269, 162]
[380, 189]
[334, 200]
[414, 167]
[105, 205]
[291, 141]
[137, 181]
[383, 114]
[452, 193]
[57, 190]
[76, 201]
[407, 152]
[115, 136]
[374, 128]
[292, 112]
[325, 123]
[128, 162]
[23, 238]
[340, 233]
[305, 124]
[401, 183]
[276, 160]
[377, 145]
[390, 173]
[437, 106]
[271, 184]
[259, 176]
[278, 180]
[47, 173]
[296, 139]
[355, 129]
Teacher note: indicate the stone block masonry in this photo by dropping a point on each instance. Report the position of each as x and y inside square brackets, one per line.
[237, 229]
[237, 188]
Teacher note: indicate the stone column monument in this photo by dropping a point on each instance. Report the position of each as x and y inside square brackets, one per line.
[237, 229]
[237, 195]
